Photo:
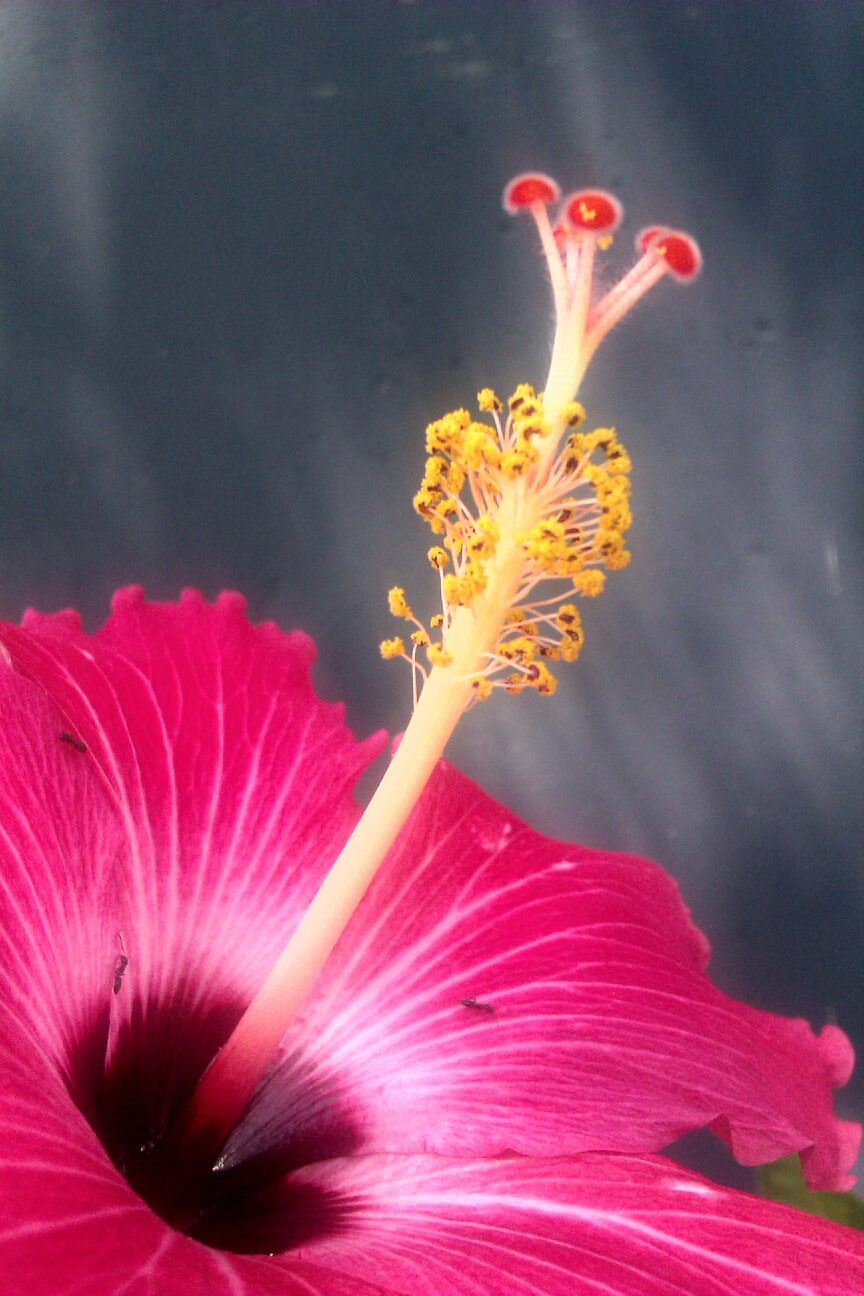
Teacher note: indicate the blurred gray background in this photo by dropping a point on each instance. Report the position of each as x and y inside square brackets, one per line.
[248, 251]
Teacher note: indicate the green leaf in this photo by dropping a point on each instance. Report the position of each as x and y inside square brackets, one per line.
[782, 1181]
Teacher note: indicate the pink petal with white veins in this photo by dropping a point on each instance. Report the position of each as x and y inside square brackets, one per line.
[593, 1225]
[69, 1223]
[60, 842]
[234, 787]
[589, 1020]
[234, 782]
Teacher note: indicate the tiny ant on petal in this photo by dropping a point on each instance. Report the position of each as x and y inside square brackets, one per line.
[120, 966]
[69, 738]
[474, 1003]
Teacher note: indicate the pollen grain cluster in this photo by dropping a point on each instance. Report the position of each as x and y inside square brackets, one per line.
[550, 501]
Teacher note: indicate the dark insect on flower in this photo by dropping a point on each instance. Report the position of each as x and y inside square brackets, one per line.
[475, 1003]
[69, 738]
[120, 965]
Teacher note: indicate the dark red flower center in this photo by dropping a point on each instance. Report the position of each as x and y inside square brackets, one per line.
[245, 1206]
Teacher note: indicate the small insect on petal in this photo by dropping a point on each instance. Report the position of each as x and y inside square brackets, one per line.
[680, 251]
[474, 1003]
[594, 210]
[530, 187]
[69, 738]
[120, 965]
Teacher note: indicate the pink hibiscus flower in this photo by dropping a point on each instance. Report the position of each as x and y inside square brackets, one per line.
[470, 1098]
[455, 1075]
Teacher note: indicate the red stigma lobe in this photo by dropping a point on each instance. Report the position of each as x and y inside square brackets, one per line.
[680, 251]
[525, 190]
[593, 210]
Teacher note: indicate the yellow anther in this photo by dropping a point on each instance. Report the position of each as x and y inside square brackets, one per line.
[399, 605]
[573, 414]
[618, 518]
[524, 394]
[446, 433]
[601, 438]
[590, 582]
[438, 557]
[489, 402]
[480, 448]
[540, 677]
[455, 478]
[607, 539]
[472, 582]
[452, 591]
[515, 463]
[420, 638]
[571, 564]
[482, 688]
[437, 621]
[618, 559]
[546, 543]
[568, 617]
[489, 528]
[520, 650]
[571, 645]
[596, 474]
[578, 443]
[392, 647]
[439, 656]
[483, 543]
[436, 471]
[425, 503]
[529, 430]
[618, 460]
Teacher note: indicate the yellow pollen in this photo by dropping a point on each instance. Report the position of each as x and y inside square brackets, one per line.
[495, 496]
[390, 648]
[399, 606]
[489, 401]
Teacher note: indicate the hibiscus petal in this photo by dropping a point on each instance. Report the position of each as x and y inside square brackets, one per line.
[233, 781]
[605, 1225]
[232, 785]
[499, 990]
[59, 843]
[68, 1220]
